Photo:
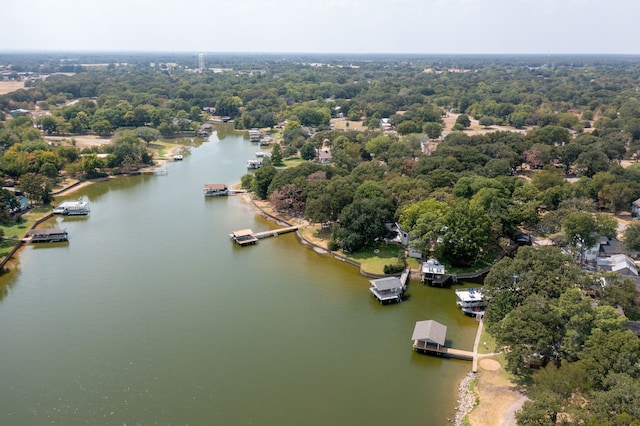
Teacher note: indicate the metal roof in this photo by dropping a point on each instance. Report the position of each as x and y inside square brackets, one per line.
[46, 231]
[431, 331]
[388, 283]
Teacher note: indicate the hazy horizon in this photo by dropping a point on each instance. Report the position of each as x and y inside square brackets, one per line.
[407, 27]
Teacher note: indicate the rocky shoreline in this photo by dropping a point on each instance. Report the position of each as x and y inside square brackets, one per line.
[466, 398]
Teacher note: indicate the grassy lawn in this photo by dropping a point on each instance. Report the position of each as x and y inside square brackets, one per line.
[18, 230]
[292, 162]
[376, 256]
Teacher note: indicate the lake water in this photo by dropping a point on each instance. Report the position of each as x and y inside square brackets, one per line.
[151, 316]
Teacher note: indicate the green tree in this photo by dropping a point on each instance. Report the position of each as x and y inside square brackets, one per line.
[407, 127]
[433, 130]
[37, 187]
[102, 128]
[362, 222]
[486, 121]
[581, 230]
[632, 237]
[276, 154]
[263, 177]
[148, 134]
[534, 270]
[308, 151]
[463, 120]
[465, 235]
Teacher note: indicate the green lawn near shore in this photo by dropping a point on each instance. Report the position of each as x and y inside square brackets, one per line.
[374, 257]
[18, 230]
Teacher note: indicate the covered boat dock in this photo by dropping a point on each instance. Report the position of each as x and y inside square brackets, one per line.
[430, 337]
[47, 235]
[389, 289]
[243, 237]
[215, 190]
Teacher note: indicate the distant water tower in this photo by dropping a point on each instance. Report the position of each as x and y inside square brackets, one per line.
[201, 61]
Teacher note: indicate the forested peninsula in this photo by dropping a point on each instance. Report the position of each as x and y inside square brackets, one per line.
[464, 153]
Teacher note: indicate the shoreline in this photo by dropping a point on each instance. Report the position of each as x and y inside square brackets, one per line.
[468, 401]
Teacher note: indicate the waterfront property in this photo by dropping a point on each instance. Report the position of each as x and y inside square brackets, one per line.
[471, 301]
[430, 336]
[79, 207]
[215, 189]
[388, 289]
[47, 235]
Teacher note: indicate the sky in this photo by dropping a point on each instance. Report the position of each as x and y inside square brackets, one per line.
[323, 26]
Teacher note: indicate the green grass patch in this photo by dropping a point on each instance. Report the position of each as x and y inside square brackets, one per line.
[487, 342]
[374, 257]
[18, 230]
[291, 162]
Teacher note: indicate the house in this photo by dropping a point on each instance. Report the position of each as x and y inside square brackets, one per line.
[635, 208]
[432, 270]
[324, 155]
[605, 247]
[620, 263]
[388, 289]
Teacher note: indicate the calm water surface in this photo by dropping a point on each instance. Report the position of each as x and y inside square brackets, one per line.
[149, 315]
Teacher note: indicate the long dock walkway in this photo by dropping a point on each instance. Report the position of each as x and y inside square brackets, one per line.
[275, 232]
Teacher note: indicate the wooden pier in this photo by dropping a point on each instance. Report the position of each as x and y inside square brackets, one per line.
[275, 232]
[245, 237]
[424, 347]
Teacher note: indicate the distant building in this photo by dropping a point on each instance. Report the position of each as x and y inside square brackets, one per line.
[201, 61]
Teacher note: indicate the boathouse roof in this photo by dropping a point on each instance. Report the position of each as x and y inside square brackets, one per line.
[431, 331]
[46, 231]
[215, 186]
[387, 283]
[243, 233]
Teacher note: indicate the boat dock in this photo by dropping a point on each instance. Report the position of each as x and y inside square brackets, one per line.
[422, 346]
[275, 232]
[245, 237]
[429, 337]
[46, 235]
[390, 289]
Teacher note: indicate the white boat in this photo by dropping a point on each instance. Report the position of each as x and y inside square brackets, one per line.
[70, 208]
[471, 300]
[260, 154]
